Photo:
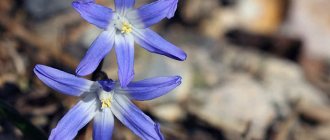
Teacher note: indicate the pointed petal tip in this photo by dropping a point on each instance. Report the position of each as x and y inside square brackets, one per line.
[134, 119]
[39, 68]
[77, 117]
[61, 81]
[151, 88]
[154, 43]
[83, 1]
[183, 57]
[75, 4]
[172, 10]
[178, 79]
[93, 13]
[99, 49]
[36, 67]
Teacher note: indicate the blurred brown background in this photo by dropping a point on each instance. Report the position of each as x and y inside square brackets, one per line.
[256, 69]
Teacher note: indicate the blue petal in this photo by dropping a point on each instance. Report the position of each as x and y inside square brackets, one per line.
[152, 88]
[172, 9]
[84, 1]
[98, 50]
[94, 13]
[62, 81]
[74, 120]
[123, 5]
[124, 45]
[133, 118]
[103, 125]
[154, 43]
[157, 127]
[152, 13]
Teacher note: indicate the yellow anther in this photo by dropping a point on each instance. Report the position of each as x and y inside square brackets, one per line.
[106, 103]
[126, 28]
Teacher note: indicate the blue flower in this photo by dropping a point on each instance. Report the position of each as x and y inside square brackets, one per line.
[103, 99]
[121, 28]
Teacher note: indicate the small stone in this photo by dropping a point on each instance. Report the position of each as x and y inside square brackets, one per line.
[234, 105]
[168, 112]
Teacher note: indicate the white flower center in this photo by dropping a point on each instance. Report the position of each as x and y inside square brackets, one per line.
[121, 24]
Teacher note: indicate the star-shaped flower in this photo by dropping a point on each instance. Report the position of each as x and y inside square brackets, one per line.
[122, 28]
[103, 99]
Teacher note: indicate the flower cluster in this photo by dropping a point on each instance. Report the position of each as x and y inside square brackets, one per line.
[102, 100]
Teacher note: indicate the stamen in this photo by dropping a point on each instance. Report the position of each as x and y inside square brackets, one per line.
[106, 103]
[105, 98]
[126, 28]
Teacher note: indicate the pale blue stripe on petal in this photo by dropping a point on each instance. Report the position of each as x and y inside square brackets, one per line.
[103, 125]
[74, 120]
[133, 118]
[61, 81]
[98, 50]
[154, 43]
[123, 5]
[96, 14]
[149, 89]
[124, 45]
